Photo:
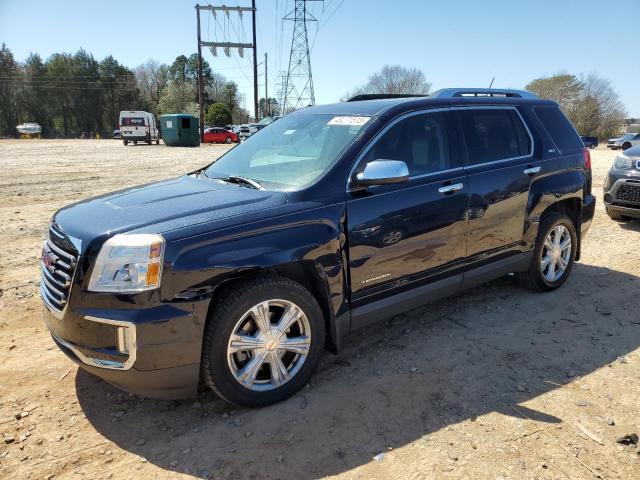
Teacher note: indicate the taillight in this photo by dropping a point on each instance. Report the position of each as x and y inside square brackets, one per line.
[587, 158]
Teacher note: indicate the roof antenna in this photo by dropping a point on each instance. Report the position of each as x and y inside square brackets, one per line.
[491, 84]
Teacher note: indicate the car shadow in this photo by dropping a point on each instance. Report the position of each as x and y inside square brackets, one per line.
[633, 225]
[487, 350]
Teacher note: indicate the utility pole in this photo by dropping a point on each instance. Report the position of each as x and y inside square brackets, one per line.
[298, 85]
[255, 61]
[266, 87]
[227, 46]
[200, 94]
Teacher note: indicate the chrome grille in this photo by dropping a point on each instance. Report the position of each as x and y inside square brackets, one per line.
[629, 192]
[57, 266]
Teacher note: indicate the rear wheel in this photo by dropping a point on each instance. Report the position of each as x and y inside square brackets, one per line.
[262, 342]
[157, 141]
[125, 142]
[553, 255]
[148, 140]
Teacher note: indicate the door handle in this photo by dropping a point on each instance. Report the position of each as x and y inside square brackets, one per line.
[531, 170]
[451, 188]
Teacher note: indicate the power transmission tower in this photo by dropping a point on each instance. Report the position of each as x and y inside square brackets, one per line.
[298, 85]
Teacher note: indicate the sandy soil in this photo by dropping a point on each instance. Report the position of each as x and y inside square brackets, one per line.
[496, 383]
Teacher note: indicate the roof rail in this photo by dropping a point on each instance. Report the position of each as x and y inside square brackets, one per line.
[482, 92]
[378, 96]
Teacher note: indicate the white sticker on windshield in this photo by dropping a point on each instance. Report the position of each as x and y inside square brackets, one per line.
[289, 132]
[350, 121]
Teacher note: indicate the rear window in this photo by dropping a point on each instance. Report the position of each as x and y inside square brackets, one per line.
[559, 128]
[493, 135]
[133, 122]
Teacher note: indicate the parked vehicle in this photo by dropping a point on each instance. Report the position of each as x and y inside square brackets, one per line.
[241, 273]
[138, 126]
[219, 135]
[244, 132]
[590, 142]
[117, 134]
[627, 140]
[622, 186]
[31, 129]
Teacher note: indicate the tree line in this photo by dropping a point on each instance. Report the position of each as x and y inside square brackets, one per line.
[71, 94]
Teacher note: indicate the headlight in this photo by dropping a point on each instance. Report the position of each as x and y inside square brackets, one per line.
[128, 263]
[622, 162]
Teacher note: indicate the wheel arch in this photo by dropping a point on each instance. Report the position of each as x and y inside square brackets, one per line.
[307, 273]
[559, 193]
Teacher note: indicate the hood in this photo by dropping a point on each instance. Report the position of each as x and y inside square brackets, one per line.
[173, 203]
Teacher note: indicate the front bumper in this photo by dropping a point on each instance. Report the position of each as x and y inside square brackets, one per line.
[153, 352]
[620, 190]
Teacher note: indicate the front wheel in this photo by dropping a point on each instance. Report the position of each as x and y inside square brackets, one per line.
[262, 342]
[125, 142]
[554, 253]
[228, 140]
[626, 145]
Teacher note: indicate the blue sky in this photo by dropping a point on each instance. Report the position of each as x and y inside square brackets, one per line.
[455, 43]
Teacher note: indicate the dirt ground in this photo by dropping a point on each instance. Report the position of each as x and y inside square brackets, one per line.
[496, 383]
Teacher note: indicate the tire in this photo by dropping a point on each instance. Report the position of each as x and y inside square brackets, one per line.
[235, 313]
[228, 140]
[148, 140]
[125, 142]
[135, 142]
[626, 145]
[157, 141]
[541, 278]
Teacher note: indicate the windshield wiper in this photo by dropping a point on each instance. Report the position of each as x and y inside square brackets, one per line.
[243, 181]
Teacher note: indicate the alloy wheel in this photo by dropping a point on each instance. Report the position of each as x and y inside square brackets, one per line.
[269, 345]
[556, 253]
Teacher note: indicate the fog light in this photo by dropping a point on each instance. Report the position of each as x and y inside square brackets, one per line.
[608, 198]
[125, 339]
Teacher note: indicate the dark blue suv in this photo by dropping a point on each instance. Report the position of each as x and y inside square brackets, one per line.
[240, 274]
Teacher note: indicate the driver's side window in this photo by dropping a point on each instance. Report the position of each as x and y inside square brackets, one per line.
[418, 140]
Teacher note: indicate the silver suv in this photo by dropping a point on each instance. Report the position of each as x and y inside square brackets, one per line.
[627, 140]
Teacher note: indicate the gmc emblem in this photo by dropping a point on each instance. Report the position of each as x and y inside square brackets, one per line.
[48, 260]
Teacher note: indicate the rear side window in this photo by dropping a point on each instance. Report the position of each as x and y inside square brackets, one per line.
[559, 128]
[494, 135]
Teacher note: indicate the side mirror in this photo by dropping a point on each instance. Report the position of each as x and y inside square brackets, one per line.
[383, 172]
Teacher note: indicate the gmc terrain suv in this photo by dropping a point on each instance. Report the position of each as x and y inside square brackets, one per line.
[240, 274]
[622, 186]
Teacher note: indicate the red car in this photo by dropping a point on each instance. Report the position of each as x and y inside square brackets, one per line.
[219, 135]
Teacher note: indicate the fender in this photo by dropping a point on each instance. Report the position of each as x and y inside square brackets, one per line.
[548, 190]
[311, 241]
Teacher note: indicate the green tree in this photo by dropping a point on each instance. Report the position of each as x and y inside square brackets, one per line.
[563, 88]
[590, 102]
[218, 114]
[177, 97]
[10, 76]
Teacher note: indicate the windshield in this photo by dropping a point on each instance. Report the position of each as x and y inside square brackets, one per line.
[291, 153]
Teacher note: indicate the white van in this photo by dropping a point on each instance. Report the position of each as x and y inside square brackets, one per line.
[137, 126]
